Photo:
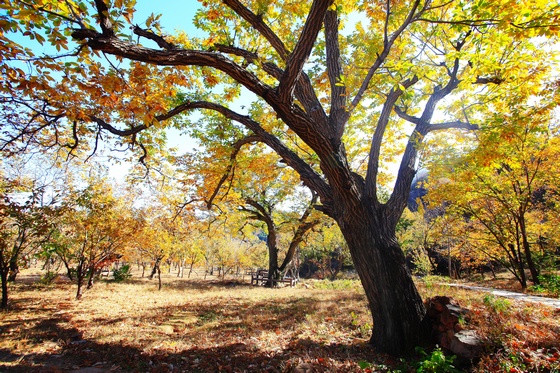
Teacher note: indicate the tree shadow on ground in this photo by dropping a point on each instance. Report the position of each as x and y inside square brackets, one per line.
[305, 355]
[234, 336]
[190, 284]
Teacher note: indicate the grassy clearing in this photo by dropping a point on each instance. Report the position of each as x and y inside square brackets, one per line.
[211, 326]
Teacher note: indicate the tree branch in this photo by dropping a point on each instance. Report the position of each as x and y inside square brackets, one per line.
[387, 45]
[448, 125]
[304, 90]
[236, 148]
[116, 131]
[150, 35]
[304, 46]
[174, 57]
[335, 73]
[104, 21]
[302, 228]
[261, 213]
[257, 23]
[307, 174]
[370, 188]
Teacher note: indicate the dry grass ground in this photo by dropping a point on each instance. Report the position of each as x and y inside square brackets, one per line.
[212, 325]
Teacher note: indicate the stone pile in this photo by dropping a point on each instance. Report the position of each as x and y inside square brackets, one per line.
[448, 320]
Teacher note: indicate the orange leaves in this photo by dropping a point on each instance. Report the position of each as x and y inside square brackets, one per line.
[211, 80]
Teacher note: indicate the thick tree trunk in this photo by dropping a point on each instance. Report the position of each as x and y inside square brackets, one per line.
[273, 272]
[399, 322]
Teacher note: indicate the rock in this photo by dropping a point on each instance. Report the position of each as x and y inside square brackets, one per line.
[466, 344]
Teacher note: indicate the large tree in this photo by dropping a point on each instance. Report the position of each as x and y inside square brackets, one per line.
[332, 83]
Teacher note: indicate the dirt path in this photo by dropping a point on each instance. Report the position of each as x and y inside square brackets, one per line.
[552, 302]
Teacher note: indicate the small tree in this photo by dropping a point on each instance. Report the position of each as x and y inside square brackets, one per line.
[23, 226]
[93, 230]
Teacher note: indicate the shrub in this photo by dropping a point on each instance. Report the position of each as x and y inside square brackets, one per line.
[498, 305]
[435, 362]
[122, 274]
[549, 284]
[345, 284]
[48, 278]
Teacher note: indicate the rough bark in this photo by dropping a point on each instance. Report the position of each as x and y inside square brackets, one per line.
[397, 308]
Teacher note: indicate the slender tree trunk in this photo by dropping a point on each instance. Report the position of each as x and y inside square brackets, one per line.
[518, 262]
[91, 275]
[527, 251]
[80, 281]
[159, 276]
[180, 269]
[399, 322]
[190, 271]
[155, 269]
[4, 278]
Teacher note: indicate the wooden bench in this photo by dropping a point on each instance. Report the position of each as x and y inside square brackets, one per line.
[261, 278]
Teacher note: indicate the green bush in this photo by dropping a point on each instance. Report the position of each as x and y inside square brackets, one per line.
[48, 278]
[344, 284]
[498, 305]
[122, 274]
[549, 284]
[435, 362]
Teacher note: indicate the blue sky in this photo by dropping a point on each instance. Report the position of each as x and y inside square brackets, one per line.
[175, 14]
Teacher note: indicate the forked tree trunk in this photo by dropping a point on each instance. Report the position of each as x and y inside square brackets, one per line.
[398, 312]
[14, 270]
